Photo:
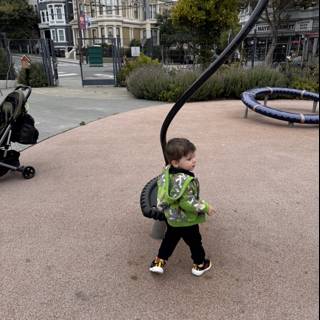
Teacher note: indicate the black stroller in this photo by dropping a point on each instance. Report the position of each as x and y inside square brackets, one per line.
[16, 125]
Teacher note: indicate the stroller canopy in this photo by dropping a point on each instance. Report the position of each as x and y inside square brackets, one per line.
[11, 108]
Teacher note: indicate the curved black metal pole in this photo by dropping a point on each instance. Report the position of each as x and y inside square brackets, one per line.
[261, 6]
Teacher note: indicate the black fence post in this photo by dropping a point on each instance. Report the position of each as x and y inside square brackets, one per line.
[114, 60]
[46, 59]
[254, 48]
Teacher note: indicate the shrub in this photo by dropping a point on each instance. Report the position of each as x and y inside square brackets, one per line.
[4, 68]
[149, 82]
[235, 81]
[228, 82]
[305, 84]
[180, 81]
[303, 78]
[37, 76]
[265, 77]
[130, 66]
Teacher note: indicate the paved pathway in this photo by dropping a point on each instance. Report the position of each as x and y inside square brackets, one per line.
[74, 245]
[61, 108]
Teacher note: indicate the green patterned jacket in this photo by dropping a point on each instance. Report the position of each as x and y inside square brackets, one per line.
[178, 198]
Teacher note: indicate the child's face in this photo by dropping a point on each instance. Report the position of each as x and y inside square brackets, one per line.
[187, 163]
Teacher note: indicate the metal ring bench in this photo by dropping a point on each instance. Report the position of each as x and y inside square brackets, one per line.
[249, 98]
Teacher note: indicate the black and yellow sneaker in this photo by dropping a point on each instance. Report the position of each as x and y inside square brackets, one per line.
[157, 266]
[199, 269]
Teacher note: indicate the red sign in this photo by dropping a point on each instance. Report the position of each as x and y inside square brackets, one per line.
[25, 62]
[82, 21]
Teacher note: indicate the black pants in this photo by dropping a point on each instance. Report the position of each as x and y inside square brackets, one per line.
[190, 235]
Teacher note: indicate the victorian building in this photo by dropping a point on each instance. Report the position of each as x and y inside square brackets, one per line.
[127, 20]
[54, 22]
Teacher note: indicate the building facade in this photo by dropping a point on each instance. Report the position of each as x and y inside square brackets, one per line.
[298, 36]
[55, 17]
[126, 20]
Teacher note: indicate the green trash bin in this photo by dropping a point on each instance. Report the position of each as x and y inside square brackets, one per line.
[95, 56]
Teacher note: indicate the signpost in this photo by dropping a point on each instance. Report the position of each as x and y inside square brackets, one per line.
[26, 65]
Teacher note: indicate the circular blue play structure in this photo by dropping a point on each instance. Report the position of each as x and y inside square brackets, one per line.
[249, 98]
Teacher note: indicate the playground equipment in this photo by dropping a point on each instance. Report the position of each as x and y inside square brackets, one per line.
[249, 98]
[148, 199]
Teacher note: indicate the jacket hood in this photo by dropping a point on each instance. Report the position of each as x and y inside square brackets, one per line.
[175, 186]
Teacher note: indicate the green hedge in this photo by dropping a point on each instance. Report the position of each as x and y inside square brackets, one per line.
[132, 65]
[37, 76]
[155, 83]
[306, 78]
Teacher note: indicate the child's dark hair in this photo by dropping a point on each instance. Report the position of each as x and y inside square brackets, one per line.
[179, 147]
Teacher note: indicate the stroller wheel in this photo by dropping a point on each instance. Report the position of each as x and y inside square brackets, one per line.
[28, 172]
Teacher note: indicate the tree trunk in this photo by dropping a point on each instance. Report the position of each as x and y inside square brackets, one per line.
[269, 56]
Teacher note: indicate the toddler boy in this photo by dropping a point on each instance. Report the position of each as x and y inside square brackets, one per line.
[178, 198]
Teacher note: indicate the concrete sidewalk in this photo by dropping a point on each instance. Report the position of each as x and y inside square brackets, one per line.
[74, 244]
[57, 109]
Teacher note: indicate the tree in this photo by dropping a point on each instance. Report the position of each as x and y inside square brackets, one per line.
[275, 14]
[17, 19]
[169, 33]
[205, 20]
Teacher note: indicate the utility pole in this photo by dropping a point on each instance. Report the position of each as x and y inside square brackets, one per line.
[67, 18]
[148, 25]
[80, 39]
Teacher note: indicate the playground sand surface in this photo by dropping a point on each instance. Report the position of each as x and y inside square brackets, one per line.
[74, 244]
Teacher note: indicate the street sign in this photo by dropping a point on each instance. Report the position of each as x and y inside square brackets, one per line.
[25, 62]
[135, 51]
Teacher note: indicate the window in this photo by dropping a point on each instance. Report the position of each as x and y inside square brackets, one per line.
[103, 33]
[118, 35]
[51, 13]
[154, 36]
[153, 11]
[61, 35]
[144, 13]
[124, 5]
[59, 12]
[101, 10]
[43, 16]
[116, 7]
[110, 32]
[93, 10]
[53, 35]
[136, 11]
[56, 14]
[109, 6]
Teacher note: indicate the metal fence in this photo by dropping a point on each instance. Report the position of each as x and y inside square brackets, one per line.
[253, 51]
[100, 59]
[40, 51]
